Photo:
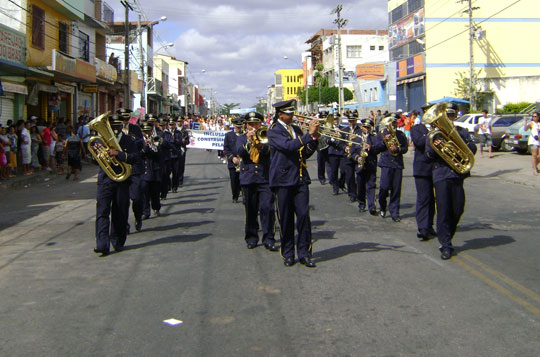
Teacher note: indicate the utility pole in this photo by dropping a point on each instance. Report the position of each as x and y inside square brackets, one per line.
[143, 94]
[127, 95]
[472, 91]
[340, 22]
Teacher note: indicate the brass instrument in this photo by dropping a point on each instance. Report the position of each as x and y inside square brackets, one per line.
[261, 135]
[451, 148]
[237, 166]
[99, 145]
[361, 158]
[386, 123]
[326, 128]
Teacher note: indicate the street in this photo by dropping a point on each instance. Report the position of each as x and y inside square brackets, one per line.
[377, 290]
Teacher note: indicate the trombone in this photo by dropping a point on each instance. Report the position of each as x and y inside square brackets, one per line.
[327, 129]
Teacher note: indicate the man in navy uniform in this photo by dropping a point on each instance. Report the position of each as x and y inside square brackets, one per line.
[135, 189]
[151, 177]
[167, 167]
[322, 156]
[366, 175]
[258, 198]
[184, 141]
[112, 208]
[335, 157]
[391, 164]
[449, 192]
[289, 179]
[348, 162]
[233, 161]
[423, 179]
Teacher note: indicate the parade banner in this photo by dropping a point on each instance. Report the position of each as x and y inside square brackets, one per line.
[206, 139]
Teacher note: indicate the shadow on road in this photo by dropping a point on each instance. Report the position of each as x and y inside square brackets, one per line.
[322, 235]
[190, 210]
[474, 226]
[180, 238]
[178, 225]
[341, 251]
[200, 188]
[481, 243]
[500, 172]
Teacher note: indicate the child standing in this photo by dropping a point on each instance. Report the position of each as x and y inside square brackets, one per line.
[59, 153]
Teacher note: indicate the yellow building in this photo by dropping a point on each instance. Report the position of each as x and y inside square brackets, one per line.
[288, 82]
[429, 41]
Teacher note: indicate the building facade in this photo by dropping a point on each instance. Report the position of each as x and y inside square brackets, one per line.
[287, 83]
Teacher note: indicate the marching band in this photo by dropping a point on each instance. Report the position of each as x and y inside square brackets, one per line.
[268, 165]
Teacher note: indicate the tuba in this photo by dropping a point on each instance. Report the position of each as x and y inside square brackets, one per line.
[452, 149]
[116, 170]
[386, 123]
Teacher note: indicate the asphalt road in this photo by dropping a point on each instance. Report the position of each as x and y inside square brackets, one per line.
[376, 291]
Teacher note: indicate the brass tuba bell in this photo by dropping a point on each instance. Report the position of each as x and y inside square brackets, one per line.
[99, 145]
[451, 148]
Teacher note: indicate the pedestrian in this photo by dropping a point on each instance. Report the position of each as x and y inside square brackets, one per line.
[46, 140]
[534, 143]
[13, 153]
[73, 149]
[84, 132]
[59, 153]
[25, 146]
[407, 124]
[484, 132]
[289, 179]
[449, 192]
[5, 144]
[36, 142]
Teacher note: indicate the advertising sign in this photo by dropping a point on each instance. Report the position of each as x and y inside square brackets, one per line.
[370, 71]
[410, 66]
[105, 71]
[12, 45]
[207, 139]
[406, 29]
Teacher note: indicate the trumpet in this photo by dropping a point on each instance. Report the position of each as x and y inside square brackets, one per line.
[327, 129]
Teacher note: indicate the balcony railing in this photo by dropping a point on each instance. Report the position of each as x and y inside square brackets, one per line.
[154, 86]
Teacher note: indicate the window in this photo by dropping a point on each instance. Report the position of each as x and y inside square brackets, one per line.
[366, 96]
[381, 48]
[354, 51]
[415, 5]
[38, 27]
[398, 12]
[278, 79]
[374, 95]
[372, 48]
[84, 46]
[63, 37]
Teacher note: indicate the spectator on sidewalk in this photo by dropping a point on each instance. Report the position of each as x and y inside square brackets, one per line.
[46, 140]
[59, 154]
[4, 153]
[84, 133]
[73, 147]
[25, 146]
[534, 142]
[12, 136]
[36, 142]
[484, 132]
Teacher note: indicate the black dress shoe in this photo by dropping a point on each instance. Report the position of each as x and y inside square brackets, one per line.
[235, 200]
[271, 247]
[352, 199]
[156, 212]
[146, 216]
[307, 262]
[335, 193]
[446, 253]
[432, 232]
[396, 219]
[174, 190]
[323, 182]
[288, 262]
[361, 209]
[103, 253]
[423, 234]
[373, 212]
[251, 245]
[138, 226]
[383, 214]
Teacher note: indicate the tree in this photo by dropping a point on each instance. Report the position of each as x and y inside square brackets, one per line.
[260, 107]
[462, 88]
[226, 108]
[327, 95]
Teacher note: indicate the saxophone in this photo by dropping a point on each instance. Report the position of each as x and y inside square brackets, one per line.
[451, 147]
[99, 145]
[361, 158]
[386, 123]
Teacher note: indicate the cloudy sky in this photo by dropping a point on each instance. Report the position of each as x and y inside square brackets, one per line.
[240, 44]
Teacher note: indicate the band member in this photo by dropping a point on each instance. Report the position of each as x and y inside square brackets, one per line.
[423, 179]
[233, 161]
[365, 157]
[348, 162]
[289, 179]
[184, 141]
[322, 156]
[135, 190]
[391, 164]
[151, 178]
[258, 198]
[112, 208]
[335, 157]
[167, 167]
[449, 192]
[176, 137]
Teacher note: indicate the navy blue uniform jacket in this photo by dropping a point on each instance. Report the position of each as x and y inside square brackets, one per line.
[371, 159]
[441, 170]
[250, 172]
[131, 153]
[387, 159]
[422, 167]
[229, 144]
[285, 155]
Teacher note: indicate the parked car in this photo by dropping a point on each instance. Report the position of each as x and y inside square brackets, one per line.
[516, 138]
[499, 124]
[468, 121]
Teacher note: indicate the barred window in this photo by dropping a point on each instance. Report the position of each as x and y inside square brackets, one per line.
[38, 27]
[84, 46]
[63, 37]
[354, 51]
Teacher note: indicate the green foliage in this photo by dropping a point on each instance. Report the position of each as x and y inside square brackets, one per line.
[462, 89]
[512, 108]
[260, 107]
[226, 108]
[327, 95]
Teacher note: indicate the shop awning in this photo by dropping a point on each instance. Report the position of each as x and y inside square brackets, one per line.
[410, 80]
[450, 100]
[8, 68]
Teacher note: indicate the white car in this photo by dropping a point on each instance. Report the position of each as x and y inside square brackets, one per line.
[468, 121]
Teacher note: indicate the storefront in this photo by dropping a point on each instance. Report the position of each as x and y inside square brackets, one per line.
[411, 87]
